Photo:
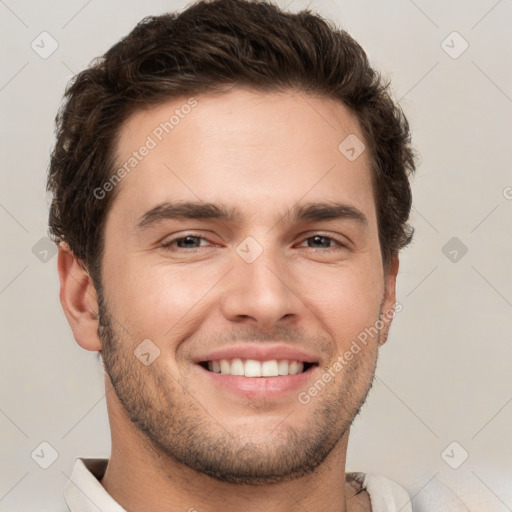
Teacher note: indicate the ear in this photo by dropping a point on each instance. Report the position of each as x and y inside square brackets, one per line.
[78, 298]
[389, 307]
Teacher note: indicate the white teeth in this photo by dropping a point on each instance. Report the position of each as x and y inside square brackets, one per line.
[293, 368]
[255, 368]
[283, 367]
[224, 366]
[252, 368]
[237, 367]
[269, 369]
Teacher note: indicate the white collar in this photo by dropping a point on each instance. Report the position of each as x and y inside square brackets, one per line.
[84, 492]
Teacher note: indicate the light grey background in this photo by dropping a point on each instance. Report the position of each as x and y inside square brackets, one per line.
[445, 373]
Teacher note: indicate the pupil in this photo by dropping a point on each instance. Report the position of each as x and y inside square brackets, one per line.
[319, 238]
[187, 240]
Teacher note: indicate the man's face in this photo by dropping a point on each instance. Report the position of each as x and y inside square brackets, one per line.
[266, 284]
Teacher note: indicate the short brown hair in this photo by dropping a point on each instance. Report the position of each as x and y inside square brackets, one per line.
[210, 45]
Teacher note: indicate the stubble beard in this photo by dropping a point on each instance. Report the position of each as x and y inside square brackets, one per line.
[178, 426]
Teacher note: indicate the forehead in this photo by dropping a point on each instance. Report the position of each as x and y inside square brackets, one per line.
[243, 147]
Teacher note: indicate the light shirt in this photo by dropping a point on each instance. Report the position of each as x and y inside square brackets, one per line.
[84, 492]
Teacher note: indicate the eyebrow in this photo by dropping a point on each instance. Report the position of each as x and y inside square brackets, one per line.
[310, 212]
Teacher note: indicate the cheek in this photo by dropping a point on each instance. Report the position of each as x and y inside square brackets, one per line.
[153, 299]
[345, 300]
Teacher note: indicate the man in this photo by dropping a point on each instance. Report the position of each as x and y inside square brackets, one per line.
[231, 192]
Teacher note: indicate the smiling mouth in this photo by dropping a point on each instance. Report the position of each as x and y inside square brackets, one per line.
[254, 368]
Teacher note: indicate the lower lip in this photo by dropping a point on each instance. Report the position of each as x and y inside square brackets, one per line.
[260, 387]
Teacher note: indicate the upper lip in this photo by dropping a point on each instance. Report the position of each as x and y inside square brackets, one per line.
[258, 352]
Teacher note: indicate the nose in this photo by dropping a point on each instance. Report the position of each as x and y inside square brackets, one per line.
[261, 292]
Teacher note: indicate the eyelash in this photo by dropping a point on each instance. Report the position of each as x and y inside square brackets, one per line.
[169, 244]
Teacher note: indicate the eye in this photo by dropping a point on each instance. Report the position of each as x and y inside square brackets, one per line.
[184, 242]
[191, 243]
[320, 241]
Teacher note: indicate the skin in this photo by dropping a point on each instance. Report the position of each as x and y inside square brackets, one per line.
[178, 442]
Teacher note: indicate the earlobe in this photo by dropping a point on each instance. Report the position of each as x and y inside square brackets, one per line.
[387, 312]
[78, 298]
[390, 279]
